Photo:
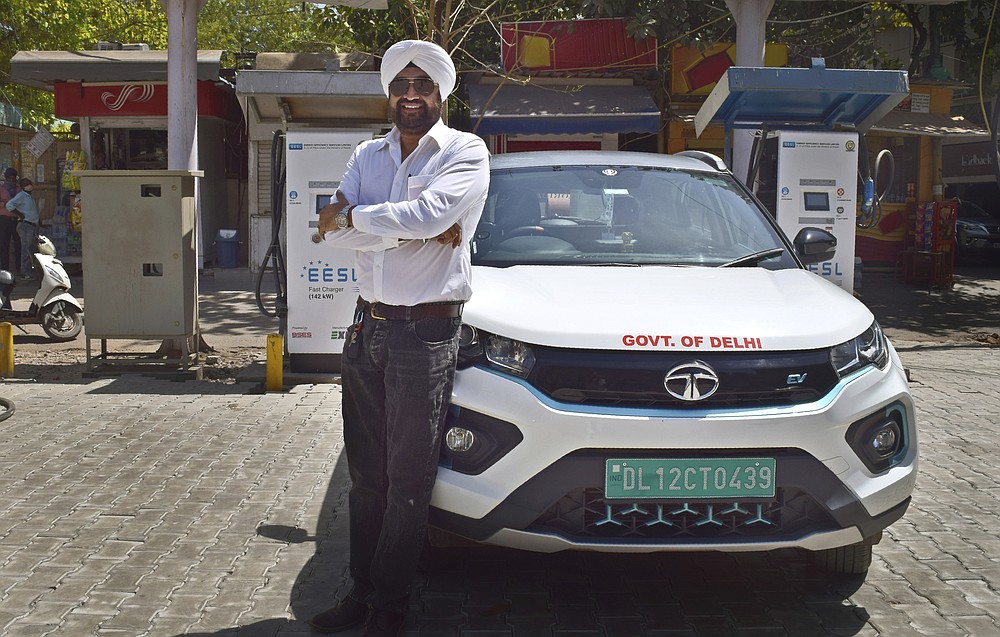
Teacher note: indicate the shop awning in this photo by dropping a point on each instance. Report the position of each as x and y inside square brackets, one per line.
[513, 109]
[932, 124]
[44, 69]
[278, 97]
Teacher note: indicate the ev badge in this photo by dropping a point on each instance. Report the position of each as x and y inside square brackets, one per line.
[691, 381]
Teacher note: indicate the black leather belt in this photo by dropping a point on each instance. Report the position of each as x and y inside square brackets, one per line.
[382, 312]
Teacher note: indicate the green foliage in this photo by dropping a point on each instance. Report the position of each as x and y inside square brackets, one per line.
[842, 32]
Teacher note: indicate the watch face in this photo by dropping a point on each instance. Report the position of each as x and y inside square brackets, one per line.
[341, 219]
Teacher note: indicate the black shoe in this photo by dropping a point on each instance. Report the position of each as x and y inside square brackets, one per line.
[348, 613]
[384, 623]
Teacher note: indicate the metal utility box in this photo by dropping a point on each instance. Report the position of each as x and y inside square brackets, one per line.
[140, 265]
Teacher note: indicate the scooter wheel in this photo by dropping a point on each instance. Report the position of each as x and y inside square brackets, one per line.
[61, 321]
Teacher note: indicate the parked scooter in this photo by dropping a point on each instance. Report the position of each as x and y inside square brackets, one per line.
[53, 307]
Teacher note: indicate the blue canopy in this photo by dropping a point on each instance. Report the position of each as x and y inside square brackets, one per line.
[818, 98]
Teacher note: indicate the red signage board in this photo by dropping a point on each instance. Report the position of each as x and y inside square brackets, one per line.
[136, 99]
[573, 45]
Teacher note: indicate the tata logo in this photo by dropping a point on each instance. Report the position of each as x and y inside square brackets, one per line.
[691, 381]
[295, 147]
[788, 144]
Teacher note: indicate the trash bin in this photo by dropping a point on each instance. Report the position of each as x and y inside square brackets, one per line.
[226, 242]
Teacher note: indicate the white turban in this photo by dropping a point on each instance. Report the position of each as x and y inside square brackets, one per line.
[431, 58]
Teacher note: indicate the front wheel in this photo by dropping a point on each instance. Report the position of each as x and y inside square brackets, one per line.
[853, 559]
[61, 321]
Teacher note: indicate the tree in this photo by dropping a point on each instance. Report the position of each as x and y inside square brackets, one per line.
[469, 31]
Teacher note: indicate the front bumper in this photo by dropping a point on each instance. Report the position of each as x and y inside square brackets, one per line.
[545, 493]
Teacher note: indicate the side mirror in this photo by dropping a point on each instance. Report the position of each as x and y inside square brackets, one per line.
[814, 245]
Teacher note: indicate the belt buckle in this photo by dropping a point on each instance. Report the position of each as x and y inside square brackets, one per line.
[371, 310]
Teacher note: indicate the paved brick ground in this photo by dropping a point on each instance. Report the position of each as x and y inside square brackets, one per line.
[134, 507]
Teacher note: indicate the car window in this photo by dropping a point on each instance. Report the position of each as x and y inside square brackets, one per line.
[620, 214]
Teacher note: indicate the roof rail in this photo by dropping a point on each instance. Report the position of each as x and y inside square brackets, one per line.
[712, 160]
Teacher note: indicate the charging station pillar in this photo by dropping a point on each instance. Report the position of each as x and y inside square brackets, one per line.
[322, 290]
[817, 184]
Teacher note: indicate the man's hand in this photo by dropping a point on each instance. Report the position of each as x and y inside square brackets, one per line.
[452, 235]
[327, 213]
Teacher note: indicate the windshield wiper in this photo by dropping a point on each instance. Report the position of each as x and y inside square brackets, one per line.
[754, 258]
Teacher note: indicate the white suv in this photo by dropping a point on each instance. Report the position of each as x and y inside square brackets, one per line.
[647, 366]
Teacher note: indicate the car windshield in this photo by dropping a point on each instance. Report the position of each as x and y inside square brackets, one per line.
[970, 210]
[614, 215]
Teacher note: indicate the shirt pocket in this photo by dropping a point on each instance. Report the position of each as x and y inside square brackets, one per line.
[416, 184]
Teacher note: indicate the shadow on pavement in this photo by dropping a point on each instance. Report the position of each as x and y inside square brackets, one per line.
[496, 591]
[969, 311]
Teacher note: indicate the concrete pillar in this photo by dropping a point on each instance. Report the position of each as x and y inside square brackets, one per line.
[751, 36]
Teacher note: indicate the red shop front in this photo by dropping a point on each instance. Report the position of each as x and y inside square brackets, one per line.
[119, 101]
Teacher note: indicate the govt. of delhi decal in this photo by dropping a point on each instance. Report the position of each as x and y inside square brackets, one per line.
[661, 341]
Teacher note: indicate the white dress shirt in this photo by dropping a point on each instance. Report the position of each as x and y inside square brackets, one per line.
[403, 204]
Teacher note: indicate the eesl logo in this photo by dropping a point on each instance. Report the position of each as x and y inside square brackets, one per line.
[788, 144]
[295, 147]
[324, 272]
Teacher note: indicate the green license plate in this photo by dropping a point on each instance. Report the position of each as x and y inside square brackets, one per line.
[689, 478]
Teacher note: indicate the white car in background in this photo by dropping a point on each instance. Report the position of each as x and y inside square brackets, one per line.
[647, 366]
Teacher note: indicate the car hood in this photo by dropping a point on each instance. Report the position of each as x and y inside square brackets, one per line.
[664, 308]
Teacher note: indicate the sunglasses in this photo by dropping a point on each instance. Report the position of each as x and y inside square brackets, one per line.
[422, 85]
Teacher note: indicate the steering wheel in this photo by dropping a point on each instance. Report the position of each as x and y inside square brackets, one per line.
[523, 231]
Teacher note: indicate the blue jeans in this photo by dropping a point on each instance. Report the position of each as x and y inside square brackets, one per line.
[28, 233]
[397, 381]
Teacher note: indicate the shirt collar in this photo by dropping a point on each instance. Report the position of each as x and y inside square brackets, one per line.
[439, 132]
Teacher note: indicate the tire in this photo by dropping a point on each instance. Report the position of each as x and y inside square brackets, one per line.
[853, 559]
[61, 321]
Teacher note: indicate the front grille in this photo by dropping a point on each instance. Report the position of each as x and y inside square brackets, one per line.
[584, 515]
[636, 379]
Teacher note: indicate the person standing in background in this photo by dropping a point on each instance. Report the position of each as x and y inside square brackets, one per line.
[9, 188]
[24, 206]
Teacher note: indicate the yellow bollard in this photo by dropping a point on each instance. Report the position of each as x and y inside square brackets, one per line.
[275, 356]
[6, 350]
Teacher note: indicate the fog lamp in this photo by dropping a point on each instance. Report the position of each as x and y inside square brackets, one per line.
[459, 440]
[885, 440]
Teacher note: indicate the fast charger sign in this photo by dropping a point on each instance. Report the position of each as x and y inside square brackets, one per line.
[322, 290]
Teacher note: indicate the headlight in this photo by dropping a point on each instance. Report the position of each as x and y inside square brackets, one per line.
[975, 228]
[869, 348]
[483, 348]
[509, 355]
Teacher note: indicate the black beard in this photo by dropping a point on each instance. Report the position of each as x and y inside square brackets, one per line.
[416, 123]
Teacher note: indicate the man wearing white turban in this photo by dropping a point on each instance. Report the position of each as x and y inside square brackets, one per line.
[403, 205]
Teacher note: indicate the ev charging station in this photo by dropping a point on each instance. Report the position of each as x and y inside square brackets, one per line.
[817, 173]
[322, 290]
[308, 115]
[816, 116]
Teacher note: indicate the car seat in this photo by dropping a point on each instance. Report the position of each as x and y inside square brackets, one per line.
[516, 210]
